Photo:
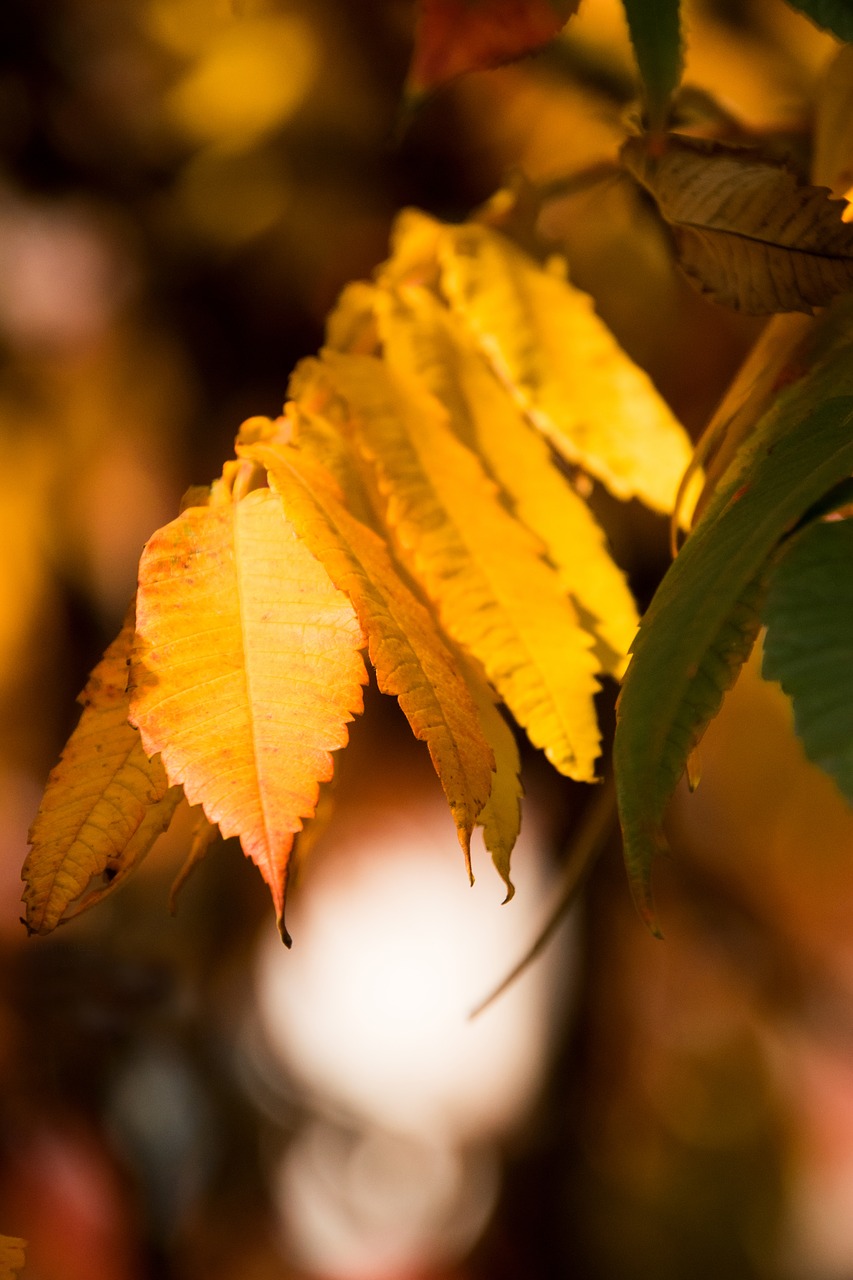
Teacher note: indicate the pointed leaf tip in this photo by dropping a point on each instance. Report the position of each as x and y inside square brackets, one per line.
[246, 671]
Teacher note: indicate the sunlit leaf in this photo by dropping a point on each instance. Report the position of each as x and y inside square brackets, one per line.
[104, 806]
[455, 36]
[700, 624]
[411, 660]
[494, 593]
[563, 366]
[12, 1257]
[656, 36]
[423, 339]
[748, 232]
[246, 671]
[809, 643]
[832, 15]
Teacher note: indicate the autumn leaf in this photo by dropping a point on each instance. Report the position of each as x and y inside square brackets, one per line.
[245, 672]
[746, 231]
[832, 15]
[809, 643]
[423, 339]
[12, 1257]
[411, 661]
[704, 616]
[105, 803]
[832, 162]
[563, 367]
[455, 36]
[494, 593]
[656, 36]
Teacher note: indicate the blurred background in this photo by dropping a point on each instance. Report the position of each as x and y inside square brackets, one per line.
[185, 186]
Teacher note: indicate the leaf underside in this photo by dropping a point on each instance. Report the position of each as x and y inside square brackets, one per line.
[246, 671]
[808, 648]
[105, 803]
[746, 231]
[699, 626]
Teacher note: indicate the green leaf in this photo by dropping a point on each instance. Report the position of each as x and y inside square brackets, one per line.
[809, 643]
[700, 625]
[656, 37]
[832, 15]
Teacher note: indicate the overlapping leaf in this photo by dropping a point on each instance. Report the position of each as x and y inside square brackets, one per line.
[746, 231]
[494, 593]
[455, 36]
[410, 658]
[699, 626]
[423, 339]
[246, 671]
[105, 803]
[809, 643]
[563, 366]
[832, 15]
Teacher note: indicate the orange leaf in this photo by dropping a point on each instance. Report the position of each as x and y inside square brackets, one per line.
[411, 660]
[105, 803]
[245, 673]
[455, 36]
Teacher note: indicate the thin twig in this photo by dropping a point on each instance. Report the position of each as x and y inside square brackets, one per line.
[596, 826]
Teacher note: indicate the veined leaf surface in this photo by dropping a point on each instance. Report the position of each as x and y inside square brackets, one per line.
[423, 339]
[700, 624]
[411, 660]
[455, 36]
[563, 366]
[656, 36]
[105, 803]
[246, 671]
[495, 595]
[809, 643]
[746, 231]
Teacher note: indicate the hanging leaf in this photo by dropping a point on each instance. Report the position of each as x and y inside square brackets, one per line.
[411, 661]
[809, 643]
[832, 15]
[563, 367]
[423, 339]
[656, 36]
[746, 231]
[704, 615]
[104, 806]
[495, 595]
[245, 672]
[455, 36]
[12, 1257]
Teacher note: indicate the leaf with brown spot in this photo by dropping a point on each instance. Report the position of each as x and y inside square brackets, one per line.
[104, 806]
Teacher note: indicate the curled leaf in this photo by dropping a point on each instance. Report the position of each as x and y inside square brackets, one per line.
[746, 231]
[105, 803]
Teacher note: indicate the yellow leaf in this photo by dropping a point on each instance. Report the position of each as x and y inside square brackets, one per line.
[494, 593]
[411, 660]
[105, 803]
[245, 673]
[12, 1259]
[422, 338]
[500, 816]
[563, 366]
